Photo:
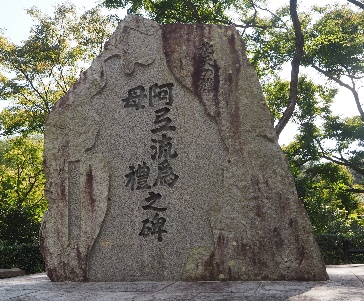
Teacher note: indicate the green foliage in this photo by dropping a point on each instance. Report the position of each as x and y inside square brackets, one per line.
[313, 100]
[38, 72]
[270, 44]
[22, 201]
[335, 42]
[177, 11]
[34, 75]
[332, 245]
[347, 141]
[327, 155]
[23, 256]
[325, 191]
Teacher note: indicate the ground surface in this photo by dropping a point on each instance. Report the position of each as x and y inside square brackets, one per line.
[346, 283]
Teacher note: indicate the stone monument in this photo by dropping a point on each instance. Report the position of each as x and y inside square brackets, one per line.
[162, 164]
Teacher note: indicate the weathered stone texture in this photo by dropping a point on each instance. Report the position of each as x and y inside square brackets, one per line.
[228, 209]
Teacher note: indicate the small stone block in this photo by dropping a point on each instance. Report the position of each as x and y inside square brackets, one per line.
[14, 272]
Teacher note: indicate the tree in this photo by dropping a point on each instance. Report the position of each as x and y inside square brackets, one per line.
[22, 201]
[325, 191]
[38, 72]
[342, 142]
[177, 11]
[332, 45]
[34, 75]
[335, 48]
[326, 188]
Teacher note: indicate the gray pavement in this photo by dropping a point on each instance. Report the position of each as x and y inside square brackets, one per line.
[346, 283]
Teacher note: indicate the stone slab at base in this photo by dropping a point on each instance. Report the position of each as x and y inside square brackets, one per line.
[7, 273]
[346, 284]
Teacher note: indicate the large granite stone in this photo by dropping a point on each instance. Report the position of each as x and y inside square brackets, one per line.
[162, 164]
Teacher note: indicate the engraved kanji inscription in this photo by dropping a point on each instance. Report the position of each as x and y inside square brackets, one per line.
[207, 50]
[153, 227]
[162, 151]
[163, 121]
[152, 199]
[136, 98]
[164, 148]
[139, 175]
[157, 93]
[166, 176]
[161, 93]
[208, 69]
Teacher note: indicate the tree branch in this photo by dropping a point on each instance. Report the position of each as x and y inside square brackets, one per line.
[273, 14]
[293, 88]
[357, 3]
[249, 26]
[339, 161]
[36, 90]
[341, 83]
[194, 11]
[355, 190]
[345, 163]
[64, 89]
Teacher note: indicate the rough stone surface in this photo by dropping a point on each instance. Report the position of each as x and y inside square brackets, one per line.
[162, 164]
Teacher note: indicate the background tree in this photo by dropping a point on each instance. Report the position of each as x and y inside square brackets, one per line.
[22, 201]
[334, 47]
[179, 11]
[34, 75]
[38, 72]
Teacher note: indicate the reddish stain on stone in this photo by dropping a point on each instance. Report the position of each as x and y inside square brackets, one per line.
[90, 187]
[242, 248]
[198, 63]
[82, 265]
[195, 36]
[259, 211]
[233, 80]
[278, 239]
[209, 267]
[217, 89]
[64, 155]
[50, 274]
[230, 274]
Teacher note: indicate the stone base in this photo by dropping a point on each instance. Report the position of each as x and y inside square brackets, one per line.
[7, 273]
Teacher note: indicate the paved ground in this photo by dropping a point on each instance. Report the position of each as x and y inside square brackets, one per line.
[347, 283]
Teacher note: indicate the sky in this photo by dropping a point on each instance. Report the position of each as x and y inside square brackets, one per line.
[16, 25]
